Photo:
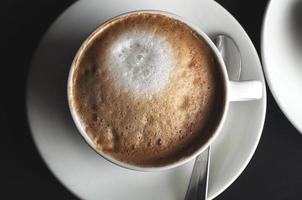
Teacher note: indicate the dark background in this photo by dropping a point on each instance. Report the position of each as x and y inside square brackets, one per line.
[275, 171]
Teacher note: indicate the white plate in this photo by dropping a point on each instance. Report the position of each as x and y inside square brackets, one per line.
[282, 56]
[78, 167]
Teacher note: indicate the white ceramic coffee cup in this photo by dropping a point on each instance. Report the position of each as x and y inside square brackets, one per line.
[234, 91]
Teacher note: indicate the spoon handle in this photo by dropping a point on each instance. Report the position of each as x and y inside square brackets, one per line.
[198, 186]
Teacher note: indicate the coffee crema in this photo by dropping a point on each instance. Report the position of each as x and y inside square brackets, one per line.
[147, 89]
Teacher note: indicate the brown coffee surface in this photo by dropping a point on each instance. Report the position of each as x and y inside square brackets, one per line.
[148, 129]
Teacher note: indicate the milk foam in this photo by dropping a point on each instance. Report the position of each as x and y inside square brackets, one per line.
[141, 61]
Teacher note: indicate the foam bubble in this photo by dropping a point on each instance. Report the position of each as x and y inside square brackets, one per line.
[141, 61]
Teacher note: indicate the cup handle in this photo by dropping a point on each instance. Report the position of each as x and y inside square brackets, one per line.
[245, 90]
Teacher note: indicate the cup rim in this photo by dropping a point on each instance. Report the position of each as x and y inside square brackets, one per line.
[177, 163]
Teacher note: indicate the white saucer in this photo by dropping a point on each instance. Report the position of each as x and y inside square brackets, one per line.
[282, 56]
[78, 167]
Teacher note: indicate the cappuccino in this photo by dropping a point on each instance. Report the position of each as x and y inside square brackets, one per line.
[148, 89]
